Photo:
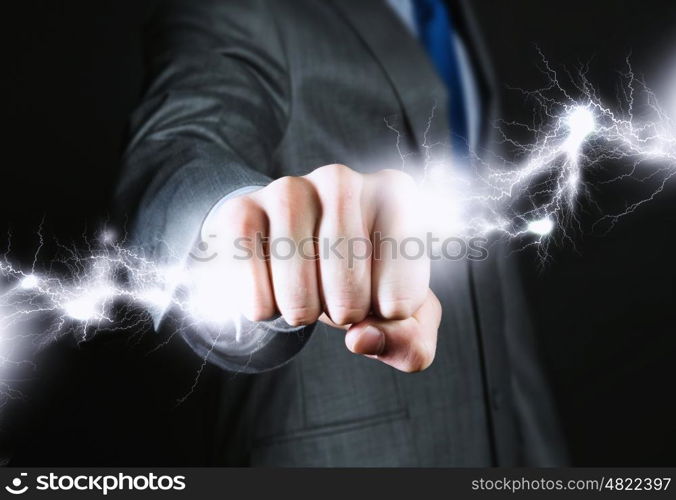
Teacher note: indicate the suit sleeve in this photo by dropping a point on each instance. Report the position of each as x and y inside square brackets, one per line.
[214, 111]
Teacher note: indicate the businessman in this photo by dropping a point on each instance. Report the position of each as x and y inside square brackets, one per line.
[276, 118]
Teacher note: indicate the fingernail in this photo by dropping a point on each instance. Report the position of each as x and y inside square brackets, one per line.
[369, 340]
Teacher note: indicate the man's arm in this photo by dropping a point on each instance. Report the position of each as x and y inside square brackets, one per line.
[213, 114]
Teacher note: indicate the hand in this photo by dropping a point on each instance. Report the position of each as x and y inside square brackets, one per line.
[333, 242]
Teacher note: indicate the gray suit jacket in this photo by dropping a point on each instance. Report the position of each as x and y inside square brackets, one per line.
[244, 91]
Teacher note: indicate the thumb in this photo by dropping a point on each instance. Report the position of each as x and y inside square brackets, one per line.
[408, 345]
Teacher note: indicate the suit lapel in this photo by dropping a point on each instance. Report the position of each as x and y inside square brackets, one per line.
[420, 90]
[487, 287]
[413, 77]
[410, 72]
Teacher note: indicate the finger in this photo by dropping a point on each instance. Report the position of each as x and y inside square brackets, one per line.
[324, 318]
[401, 267]
[292, 209]
[239, 225]
[408, 345]
[344, 245]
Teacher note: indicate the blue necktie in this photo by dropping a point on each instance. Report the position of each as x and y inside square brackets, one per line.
[435, 30]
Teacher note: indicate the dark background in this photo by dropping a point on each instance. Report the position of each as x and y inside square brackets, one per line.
[605, 311]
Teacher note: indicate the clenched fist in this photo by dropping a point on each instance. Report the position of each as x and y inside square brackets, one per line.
[340, 247]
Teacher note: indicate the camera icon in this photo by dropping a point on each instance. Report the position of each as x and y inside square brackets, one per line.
[16, 488]
[201, 253]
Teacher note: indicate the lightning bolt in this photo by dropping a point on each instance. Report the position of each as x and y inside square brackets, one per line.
[534, 198]
[538, 193]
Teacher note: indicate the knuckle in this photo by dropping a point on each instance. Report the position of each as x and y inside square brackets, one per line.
[257, 303]
[299, 315]
[396, 308]
[259, 311]
[400, 185]
[236, 206]
[241, 216]
[395, 177]
[346, 315]
[339, 178]
[340, 189]
[346, 307]
[287, 197]
[335, 171]
[288, 188]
